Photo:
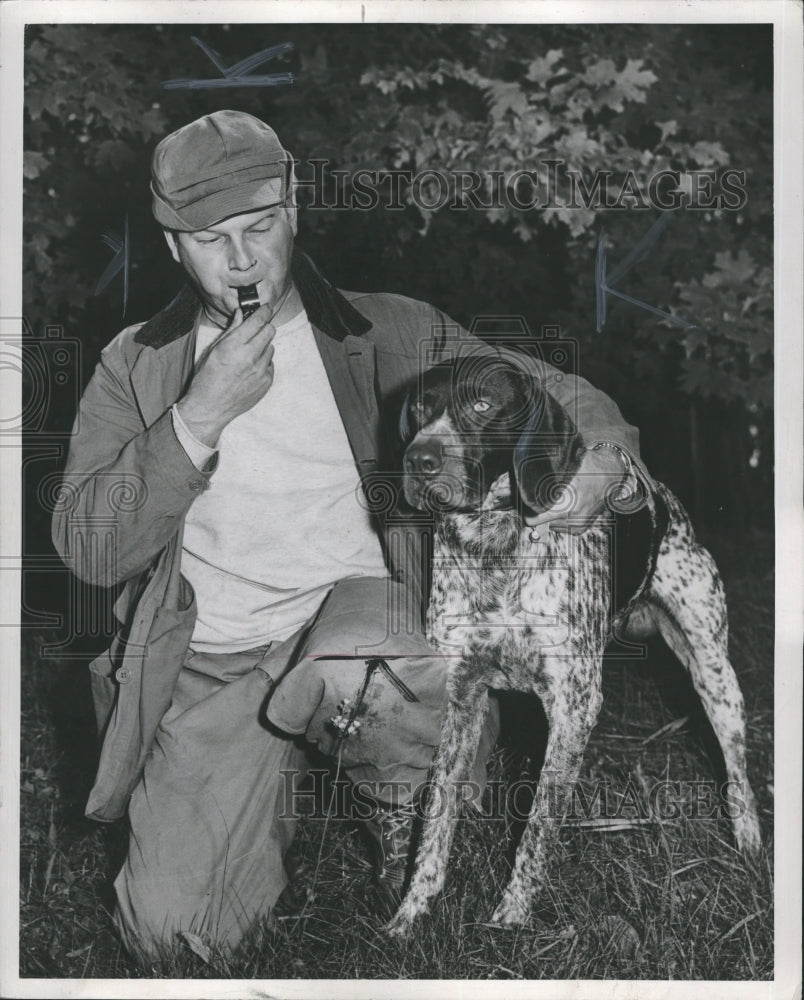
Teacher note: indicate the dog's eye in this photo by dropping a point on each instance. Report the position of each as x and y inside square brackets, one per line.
[480, 406]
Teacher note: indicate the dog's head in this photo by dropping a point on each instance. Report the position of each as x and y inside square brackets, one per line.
[472, 421]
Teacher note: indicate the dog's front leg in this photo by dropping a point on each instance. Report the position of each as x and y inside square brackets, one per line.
[571, 710]
[460, 737]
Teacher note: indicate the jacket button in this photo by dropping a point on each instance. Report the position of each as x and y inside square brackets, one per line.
[196, 485]
[123, 675]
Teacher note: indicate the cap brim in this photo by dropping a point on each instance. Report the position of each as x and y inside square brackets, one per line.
[206, 212]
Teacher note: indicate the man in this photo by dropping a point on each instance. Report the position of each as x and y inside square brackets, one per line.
[217, 470]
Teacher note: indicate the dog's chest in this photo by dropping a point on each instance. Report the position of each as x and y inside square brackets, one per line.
[508, 604]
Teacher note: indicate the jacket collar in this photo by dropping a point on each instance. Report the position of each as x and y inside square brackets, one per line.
[325, 306]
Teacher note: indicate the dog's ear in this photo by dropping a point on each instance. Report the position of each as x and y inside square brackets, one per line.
[547, 454]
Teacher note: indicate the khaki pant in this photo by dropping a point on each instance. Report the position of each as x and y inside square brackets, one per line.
[212, 818]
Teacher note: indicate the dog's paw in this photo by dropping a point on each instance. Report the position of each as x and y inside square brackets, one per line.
[511, 912]
[746, 833]
[399, 926]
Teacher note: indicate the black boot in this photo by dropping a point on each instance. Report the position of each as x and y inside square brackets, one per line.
[391, 834]
[294, 896]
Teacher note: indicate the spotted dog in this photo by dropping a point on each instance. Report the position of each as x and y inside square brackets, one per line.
[518, 611]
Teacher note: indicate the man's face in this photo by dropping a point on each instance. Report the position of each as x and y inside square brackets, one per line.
[249, 249]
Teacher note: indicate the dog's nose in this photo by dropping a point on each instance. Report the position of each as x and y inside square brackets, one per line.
[424, 458]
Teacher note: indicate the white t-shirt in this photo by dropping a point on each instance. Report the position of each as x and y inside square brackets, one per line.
[282, 520]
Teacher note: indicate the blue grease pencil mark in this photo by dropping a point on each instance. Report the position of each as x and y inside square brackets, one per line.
[600, 283]
[118, 263]
[604, 285]
[237, 75]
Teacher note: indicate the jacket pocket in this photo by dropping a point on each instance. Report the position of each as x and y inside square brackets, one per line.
[167, 620]
[168, 640]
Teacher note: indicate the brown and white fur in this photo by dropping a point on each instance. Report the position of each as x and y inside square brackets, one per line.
[534, 614]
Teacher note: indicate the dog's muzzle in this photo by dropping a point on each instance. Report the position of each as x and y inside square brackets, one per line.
[424, 457]
[433, 480]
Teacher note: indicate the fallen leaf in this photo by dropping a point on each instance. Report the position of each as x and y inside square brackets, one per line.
[78, 951]
[197, 945]
[617, 935]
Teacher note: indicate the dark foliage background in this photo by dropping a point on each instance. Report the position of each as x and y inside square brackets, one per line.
[603, 97]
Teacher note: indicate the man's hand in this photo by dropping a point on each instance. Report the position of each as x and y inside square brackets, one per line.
[597, 478]
[233, 374]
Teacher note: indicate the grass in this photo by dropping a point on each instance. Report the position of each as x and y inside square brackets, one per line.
[661, 900]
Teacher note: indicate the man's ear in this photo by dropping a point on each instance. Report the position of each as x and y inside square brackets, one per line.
[290, 203]
[292, 214]
[172, 241]
[547, 454]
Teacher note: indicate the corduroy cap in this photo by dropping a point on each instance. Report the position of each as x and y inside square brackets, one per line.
[221, 165]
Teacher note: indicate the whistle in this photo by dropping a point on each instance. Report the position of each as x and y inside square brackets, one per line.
[249, 300]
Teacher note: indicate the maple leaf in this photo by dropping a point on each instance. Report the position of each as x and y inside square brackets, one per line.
[505, 97]
[668, 128]
[630, 85]
[540, 70]
[600, 73]
[709, 153]
[577, 145]
[731, 270]
[33, 164]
